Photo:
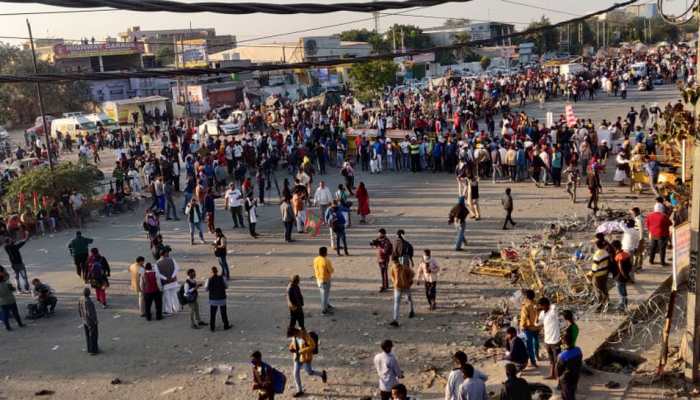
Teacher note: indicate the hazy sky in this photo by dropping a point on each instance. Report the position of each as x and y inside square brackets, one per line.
[101, 24]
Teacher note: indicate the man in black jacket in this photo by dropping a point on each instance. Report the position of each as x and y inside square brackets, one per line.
[295, 301]
[12, 250]
[515, 388]
[516, 351]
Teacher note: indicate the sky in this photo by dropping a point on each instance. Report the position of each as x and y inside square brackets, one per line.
[249, 27]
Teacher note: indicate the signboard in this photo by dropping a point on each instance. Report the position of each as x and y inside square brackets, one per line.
[570, 116]
[63, 50]
[681, 249]
[193, 53]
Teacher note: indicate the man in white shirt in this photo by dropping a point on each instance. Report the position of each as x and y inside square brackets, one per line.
[456, 377]
[630, 236]
[549, 320]
[323, 198]
[233, 200]
[388, 370]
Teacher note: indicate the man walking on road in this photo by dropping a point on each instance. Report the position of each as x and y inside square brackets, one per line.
[12, 250]
[323, 270]
[79, 249]
[402, 278]
[136, 270]
[88, 314]
[507, 202]
[295, 302]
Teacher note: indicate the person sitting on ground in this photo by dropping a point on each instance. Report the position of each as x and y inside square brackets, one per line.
[44, 296]
[516, 351]
[109, 201]
[514, 388]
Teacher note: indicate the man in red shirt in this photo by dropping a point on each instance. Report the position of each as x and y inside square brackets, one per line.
[658, 225]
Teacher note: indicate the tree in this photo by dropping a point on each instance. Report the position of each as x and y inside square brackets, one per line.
[544, 40]
[411, 36]
[64, 177]
[165, 56]
[18, 103]
[379, 45]
[369, 79]
[462, 52]
[485, 62]
[663, 31]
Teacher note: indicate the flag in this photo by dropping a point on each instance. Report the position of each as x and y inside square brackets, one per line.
[313, 223]
[570, 116]
[35, 200]
[21, 200]
[45, 202]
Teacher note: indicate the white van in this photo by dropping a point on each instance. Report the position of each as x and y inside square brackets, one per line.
[639, 69]
[109, 124]
[215, 128]
[74, 126]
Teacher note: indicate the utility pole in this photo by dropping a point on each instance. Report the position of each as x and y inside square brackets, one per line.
[41, 99]
[375, 16]
[693, 308]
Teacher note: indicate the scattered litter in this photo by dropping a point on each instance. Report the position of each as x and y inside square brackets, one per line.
[44, 392]
[612, 385]
[116, 339]
[172, 390]
[116, 381]
[55, 347]
[115, 316]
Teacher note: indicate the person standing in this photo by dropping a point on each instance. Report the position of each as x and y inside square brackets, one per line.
[621, 272]
[216, 286]
[194, 219]
[88, 314]
[323, 271]
[295, 302]
[251, 206]
[639, 226]
[384, 251]
[220, 252]
[402, 279]
[428, 272]
[600, 271]
[323, 198]
[152, 289]
[507, 203]
[79, 249]
[8, 303]
[98, 274]
[458, 217]
[287, 212]
[170, 203]
[403, 250]
[191, 293]
[362, 202]
[233, 199]
[167, 270]
[136, 270]
[549, 321]
[658, 224]
[303, 347]
[472, 388]
[528, 325]
[571, 329]
[17, 264]
[569, 365]
[336, 221]
[388, 369]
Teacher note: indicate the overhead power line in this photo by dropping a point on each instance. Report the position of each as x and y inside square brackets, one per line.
[11, 14]
[301, 65]
[238, 8]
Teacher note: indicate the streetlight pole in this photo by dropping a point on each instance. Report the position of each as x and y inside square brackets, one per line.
[41, 98]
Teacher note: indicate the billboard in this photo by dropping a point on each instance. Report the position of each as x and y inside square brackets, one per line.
[62, 50]
[193, 53]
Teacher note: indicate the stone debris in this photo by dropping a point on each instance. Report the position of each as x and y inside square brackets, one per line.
[172, 390]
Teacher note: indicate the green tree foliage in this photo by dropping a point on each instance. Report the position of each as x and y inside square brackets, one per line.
[369, 79]
[485, 62]
[544, 40]
[379, 45]
[663, 31]
[18, 101]
[165, 56]
[413, 37]
[64, 177]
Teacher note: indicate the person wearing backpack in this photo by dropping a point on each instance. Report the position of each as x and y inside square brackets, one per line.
[336, 220]
[303, 347]
[403, 250]
[152, 289]
[98, 273]
[402, 278]
[266, 380]
[216, 286]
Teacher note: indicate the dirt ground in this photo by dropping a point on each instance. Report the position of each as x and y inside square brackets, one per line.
[168, 359]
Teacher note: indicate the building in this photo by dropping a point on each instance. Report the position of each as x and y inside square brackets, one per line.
[312, 48]
[97, 57]
[121, 89]
[442, 36]
[154, 40]
[490, 30]
[649, 10]
[526, 53]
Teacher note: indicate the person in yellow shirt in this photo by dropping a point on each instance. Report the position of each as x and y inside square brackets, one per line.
[323, 270]
[136, 269]
[528, 324]
[303, 346]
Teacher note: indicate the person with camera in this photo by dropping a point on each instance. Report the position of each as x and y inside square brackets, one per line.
[384, 250]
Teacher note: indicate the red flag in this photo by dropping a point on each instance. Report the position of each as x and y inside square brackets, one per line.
[35, 200]
[45, 202]
[21, 200]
